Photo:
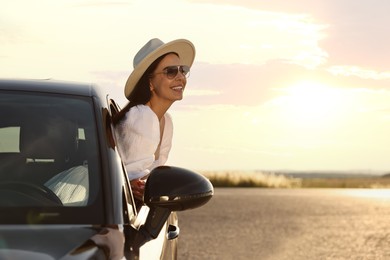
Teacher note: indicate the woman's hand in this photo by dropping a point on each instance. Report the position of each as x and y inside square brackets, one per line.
[138, 188]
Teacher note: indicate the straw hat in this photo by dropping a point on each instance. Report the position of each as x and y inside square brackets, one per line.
[152, 50]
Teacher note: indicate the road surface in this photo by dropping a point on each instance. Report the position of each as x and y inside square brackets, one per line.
[255, 223]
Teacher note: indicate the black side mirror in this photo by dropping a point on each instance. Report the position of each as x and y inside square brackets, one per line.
[171, 189]
[177, 189]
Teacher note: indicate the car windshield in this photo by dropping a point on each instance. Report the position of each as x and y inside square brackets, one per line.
[48, 156]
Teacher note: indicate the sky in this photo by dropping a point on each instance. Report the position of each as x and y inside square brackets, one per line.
[276, 85]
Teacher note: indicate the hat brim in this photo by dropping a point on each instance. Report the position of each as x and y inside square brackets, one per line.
[184, 48]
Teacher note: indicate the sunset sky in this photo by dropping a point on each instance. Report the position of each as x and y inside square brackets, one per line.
[276, 85]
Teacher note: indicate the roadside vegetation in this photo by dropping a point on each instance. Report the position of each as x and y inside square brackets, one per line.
[373, 182]
[251, 179]
[272, 180]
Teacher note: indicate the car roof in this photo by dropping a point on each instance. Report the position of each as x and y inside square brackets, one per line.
[50, 86]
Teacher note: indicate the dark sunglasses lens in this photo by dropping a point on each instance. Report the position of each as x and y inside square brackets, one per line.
[172, 72]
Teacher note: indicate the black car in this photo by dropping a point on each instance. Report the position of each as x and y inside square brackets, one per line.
[64, 193]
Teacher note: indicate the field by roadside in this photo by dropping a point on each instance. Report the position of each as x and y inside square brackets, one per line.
[277, 180]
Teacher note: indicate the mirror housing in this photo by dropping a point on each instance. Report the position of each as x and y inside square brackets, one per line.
[170, 189]
[177, 189]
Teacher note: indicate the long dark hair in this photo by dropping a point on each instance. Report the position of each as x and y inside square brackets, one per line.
[141, 93]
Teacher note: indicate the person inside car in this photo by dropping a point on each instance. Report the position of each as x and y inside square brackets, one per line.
[143, 128]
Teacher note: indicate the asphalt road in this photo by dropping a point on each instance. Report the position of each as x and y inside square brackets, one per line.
[251, 223]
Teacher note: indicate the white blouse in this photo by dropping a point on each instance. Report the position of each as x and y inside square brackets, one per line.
[138, 137]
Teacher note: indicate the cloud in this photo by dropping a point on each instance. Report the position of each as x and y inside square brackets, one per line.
[281, 6]
[238, 84]
[359, 72]
[101, 38]
[242, 35]
[251, 85]
[357, 34]
[99, 3]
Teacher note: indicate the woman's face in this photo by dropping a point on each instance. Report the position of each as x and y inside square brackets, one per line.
[162, 87]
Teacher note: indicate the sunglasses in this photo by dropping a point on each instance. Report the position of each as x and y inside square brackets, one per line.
[172, 71]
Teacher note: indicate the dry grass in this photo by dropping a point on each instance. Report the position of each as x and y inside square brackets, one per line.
[251, 179]
[271, 180]
[377, 182]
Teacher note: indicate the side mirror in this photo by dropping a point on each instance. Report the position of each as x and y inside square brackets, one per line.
[171, 189]
[177, 189]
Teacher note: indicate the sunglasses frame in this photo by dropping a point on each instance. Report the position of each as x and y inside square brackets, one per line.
[184, 70]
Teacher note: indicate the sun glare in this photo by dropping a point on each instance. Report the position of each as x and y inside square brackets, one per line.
[311, 103]
[371, 193]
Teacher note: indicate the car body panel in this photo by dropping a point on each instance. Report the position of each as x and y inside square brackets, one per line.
[55, 241]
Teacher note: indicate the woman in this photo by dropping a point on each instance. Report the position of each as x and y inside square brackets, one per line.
[143, 128]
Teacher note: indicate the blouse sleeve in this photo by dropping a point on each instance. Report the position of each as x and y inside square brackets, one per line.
[138, 136]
